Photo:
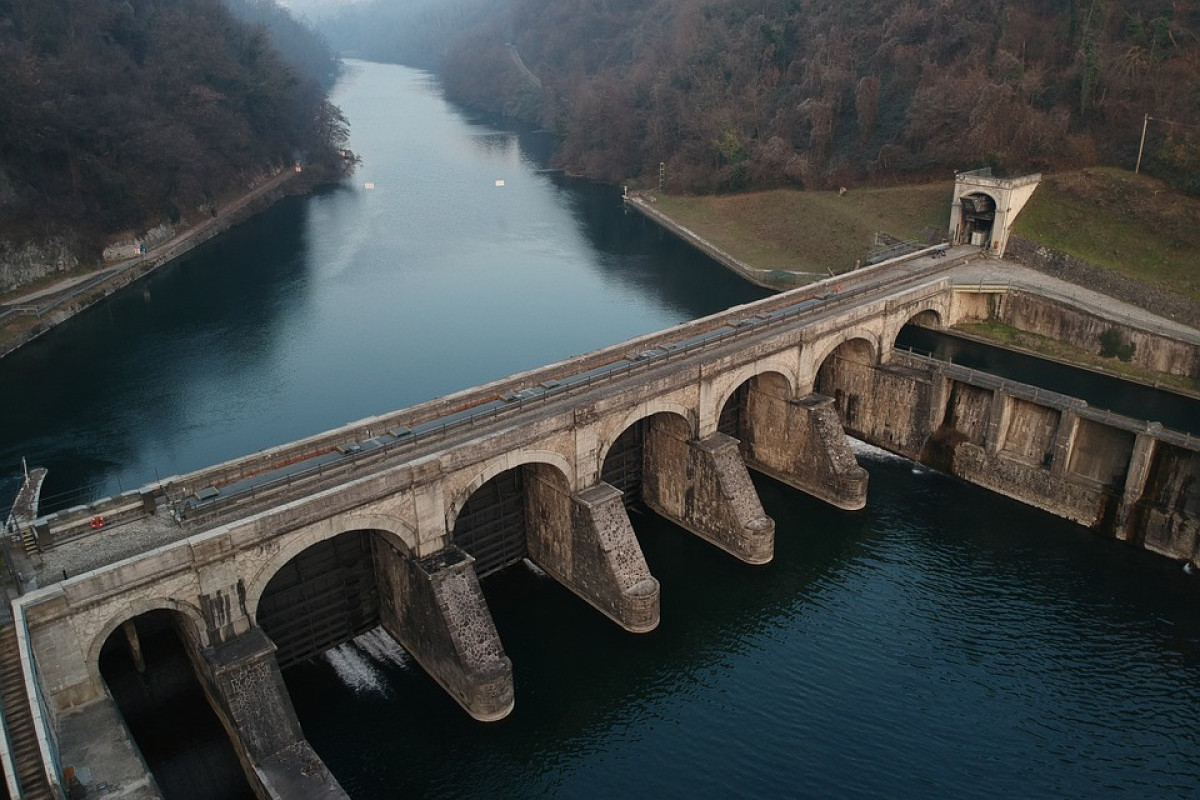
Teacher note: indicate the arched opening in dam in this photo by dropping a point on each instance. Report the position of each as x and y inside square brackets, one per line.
[147, 665]
[847, 375]
[926, 319]
[506, 519]
[644, 454]
[491, 525]
[743, 408]
[624, 464]
[324, 596]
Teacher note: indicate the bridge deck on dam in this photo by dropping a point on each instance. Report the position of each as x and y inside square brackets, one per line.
[178, 507]
[391, 520]
[159, 514]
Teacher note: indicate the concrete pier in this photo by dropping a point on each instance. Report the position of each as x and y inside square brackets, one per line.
[790, 377]
[434, 607]
[596, 555]
[247, 691]
[703, 486]
[802, 443]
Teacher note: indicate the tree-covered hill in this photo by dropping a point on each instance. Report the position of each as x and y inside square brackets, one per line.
[758, 93]
[118, 114]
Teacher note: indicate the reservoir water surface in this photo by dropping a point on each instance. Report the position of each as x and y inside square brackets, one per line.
[943, 642]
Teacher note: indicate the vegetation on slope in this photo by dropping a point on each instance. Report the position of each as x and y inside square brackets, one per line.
[118, 114]
[1130, 224]
[813, 232]
[732, 95]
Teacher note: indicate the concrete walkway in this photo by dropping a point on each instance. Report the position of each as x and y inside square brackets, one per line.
[999, 271]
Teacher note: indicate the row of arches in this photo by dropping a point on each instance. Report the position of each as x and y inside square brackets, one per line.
[325, 592]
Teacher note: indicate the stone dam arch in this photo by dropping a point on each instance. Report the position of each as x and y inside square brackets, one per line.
[424, 501]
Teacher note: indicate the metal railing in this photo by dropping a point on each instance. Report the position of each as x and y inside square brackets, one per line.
[552, 384]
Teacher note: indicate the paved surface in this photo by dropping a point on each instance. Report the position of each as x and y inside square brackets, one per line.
[999, 271]
[69, 296]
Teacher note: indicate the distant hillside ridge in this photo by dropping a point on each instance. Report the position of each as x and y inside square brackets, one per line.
[731, 95]
[119, 115]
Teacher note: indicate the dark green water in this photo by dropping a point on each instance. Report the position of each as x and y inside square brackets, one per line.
[943, 642]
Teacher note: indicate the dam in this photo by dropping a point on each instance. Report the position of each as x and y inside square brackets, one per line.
[268, 559]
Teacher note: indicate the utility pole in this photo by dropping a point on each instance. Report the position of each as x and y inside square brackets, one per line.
[1141, 145]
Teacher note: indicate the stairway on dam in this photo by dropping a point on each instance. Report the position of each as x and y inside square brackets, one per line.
[18, 722]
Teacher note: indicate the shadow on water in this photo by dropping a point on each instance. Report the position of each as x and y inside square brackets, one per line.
[938, 611]
[644, 256]
[578, 676]
[176, 731]
[635, 251]
[1174, 411]
[216, 310]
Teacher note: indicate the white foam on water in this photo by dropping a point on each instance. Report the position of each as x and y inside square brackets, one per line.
[872, 453]
[355, 670]
[534, 568]
[380, 647]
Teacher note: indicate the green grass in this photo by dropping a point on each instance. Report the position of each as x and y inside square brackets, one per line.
[812, 232]
[1128, 223]
[1131, 224]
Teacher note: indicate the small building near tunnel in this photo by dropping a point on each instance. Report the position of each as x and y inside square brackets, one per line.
[985, 207]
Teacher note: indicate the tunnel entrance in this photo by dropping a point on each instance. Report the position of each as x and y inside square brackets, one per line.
[146, 666]
[491, 526]
[323, 597]
[978, 218]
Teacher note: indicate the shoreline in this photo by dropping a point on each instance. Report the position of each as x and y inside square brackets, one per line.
[763, 278]
[62, 300]
[1112, 307]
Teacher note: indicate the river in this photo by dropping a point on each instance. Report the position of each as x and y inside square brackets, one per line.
[943, 642]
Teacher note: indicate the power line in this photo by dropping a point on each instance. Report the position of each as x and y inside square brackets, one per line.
[1172, 122]
[1142, 144]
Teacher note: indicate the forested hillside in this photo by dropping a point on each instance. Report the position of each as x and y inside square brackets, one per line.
[733, 94]
[119, 114]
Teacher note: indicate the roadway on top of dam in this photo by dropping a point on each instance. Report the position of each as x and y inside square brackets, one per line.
[203, 500]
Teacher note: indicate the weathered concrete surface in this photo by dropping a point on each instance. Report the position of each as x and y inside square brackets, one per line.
[596, 555]
[1009, 196]
[1082, 328]
[1137, 302]
[703, 486]
[435, 609]
[802, 443]
[246, 689]
[95, 741]
[297, 772]
[1124, 478]
[1166, 517]
[211, 564]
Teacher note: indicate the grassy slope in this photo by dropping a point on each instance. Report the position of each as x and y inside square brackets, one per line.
[811, 231]
[1128, 223]
[1112, 218]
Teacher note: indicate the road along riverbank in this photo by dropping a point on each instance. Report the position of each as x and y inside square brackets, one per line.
[25, 317]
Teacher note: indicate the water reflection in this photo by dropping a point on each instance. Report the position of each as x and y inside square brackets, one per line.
[943, 641]
[115, 391]
[348, 303]
[1175, 411]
